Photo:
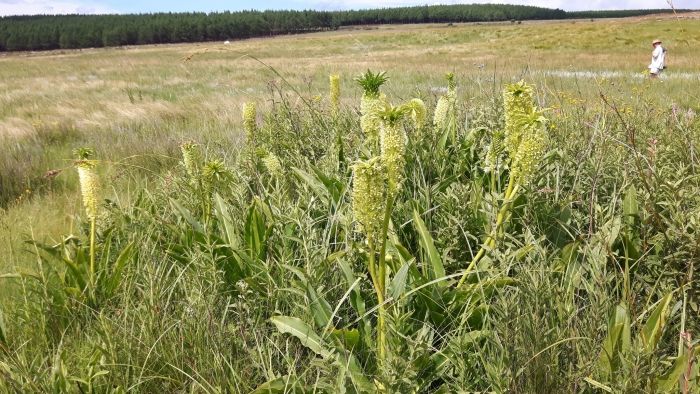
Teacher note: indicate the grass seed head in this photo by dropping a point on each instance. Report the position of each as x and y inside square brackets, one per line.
[369, 197]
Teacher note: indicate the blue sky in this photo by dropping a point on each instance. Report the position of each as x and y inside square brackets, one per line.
[15, 7]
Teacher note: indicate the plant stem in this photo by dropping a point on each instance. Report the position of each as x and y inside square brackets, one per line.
[92, 253]
[490, 241]
[381, 279]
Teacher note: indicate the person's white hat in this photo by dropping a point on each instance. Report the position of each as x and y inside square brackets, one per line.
[657, 41]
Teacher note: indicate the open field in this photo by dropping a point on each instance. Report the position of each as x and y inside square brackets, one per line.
[492, 280]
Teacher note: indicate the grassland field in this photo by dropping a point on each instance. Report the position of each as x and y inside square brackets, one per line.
[136, 105]
[145, 100]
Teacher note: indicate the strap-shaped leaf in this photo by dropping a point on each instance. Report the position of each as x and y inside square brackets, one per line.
[301, 330]
[654, 327]
[426, 242]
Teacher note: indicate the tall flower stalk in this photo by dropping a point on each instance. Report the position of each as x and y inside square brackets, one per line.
[525, 140]
[334, 93]
[377, 182]
[90, 189]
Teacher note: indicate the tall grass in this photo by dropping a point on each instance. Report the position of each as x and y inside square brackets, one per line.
[244, 270]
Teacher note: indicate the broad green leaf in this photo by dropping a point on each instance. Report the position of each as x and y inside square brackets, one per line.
[301, 330]
[320, 308]
[115, 278]
[223, 216]
[616, 342]
[654, 327]
[598, 385]
[281, 385]
[185, 214]
[671, 379]
[316, 186]
[398, 283]
[630, 206]
[349, 338]
[426, 242]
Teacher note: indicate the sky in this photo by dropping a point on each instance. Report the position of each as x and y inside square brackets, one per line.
[26, 7]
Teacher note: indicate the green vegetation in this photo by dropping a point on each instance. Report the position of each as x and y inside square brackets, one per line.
[21, 33]
[369, 232]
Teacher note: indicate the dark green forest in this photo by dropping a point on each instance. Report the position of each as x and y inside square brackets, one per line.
[46, 32]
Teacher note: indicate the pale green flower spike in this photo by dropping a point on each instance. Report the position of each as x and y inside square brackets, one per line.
[517, 102]
[371, 107]
[495, 148]
[272, 164]
[418, 112]
[334, 88]
[446, 104]
[89, 187]
[249, 120]
[191, 158]
[393, 148]
[369, 197]
[533, 146]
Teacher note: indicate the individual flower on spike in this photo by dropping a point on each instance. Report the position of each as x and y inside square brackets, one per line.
[89, 186]
[334, 90]
[249, 120]
[371, 104]
[369, 197]
[393, 148]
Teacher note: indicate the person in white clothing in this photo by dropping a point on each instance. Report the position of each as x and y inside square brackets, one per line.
[658, 56]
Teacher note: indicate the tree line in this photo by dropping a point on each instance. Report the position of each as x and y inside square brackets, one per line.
[46, 32]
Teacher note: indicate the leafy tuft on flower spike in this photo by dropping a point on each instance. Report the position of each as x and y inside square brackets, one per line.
[369, 197]
[371, 104]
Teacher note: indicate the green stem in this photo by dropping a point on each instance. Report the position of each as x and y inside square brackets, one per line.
[381, 279]
[92, 252]
[490, 241]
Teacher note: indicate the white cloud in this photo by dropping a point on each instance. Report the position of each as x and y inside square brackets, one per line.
[569, 5]
[33, 7]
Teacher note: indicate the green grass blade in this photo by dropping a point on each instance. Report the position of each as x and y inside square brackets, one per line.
[428, 245]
